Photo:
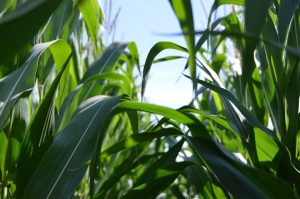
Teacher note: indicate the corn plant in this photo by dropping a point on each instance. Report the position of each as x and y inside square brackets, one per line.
[74, 125]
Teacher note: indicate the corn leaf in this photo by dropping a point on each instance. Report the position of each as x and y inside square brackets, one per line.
[154, 51]
[39, 135]
[251, 183]
[27, 19]
[21, 81]
[58, 174]
[184, 13]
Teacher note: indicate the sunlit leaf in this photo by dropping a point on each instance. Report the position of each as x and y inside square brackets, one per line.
[21, 81]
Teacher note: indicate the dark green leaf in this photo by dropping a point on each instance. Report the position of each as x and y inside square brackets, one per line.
[38, 136]
[58, 174]
[251, 183]
[27, 19]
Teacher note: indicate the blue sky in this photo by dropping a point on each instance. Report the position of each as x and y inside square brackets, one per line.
[140, 21]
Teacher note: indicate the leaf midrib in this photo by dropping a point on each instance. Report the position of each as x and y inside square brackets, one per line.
[73, 152]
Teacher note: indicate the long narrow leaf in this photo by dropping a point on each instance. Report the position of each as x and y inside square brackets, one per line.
[13, 86]
[58, 174]
[154, 51]
[26, 20]
[38, 136]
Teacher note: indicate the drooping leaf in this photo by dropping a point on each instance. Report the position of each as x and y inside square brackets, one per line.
[241, 180]
[72, 100]
[164, 111]
[250, 118]
[167, 58]
[154, 51]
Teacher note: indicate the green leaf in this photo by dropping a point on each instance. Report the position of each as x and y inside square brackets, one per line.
[162, 163]
[72, 100]
[218, 3]
[218, 61]
[184, 13]
[161, 110]
[255, 16]
[38, 136]
[157, 176]
[167, 58]
[286, 13]
[21, 81]
[20, 119]
[28, 19]
[113, 76]
[60, 25]
[251, 183]
[292, 100]
[198, 176]
[292, 51]
[163, 179]
[226, 94]
[270, 60]
[3, 148]
[215, 118]
[154, 51]
[58, 174]
[134, 120]
[132, 47]
[125, 167]
[139, 138]
[92, 15]
[6, 5]
[266, 147]
[107, 60]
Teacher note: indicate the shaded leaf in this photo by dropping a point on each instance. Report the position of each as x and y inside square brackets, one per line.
[58, 174]
[27, 19]
[255, 16]
[38, 136]
[251, 183]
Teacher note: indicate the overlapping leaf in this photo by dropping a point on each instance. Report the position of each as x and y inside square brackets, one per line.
[58, 174]
[21, 81]
[27, 20]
